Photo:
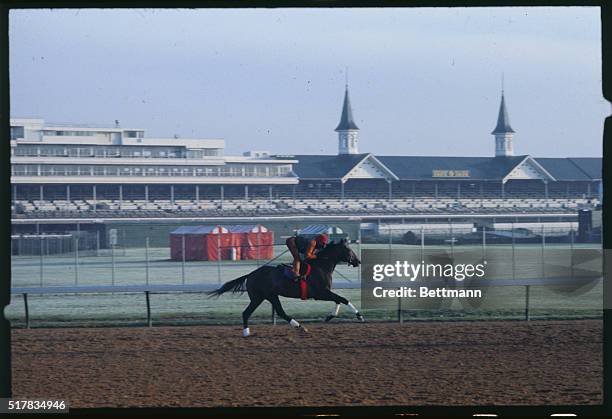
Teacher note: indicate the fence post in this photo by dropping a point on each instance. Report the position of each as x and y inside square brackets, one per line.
[273, 316]
[41, 260]
[572, 253]
[98, 243]
[390, 242]
[27, 311]
[147, 260]
[484, 242]
[183, 259]
[452, 239]
[112, 264]
[400, 313]
[76, 260]
[422, 242]
[359, 239]
[542, 251]
[149, 320]
[527, 318]
[513, 258]
[219, 257]
[258, 247]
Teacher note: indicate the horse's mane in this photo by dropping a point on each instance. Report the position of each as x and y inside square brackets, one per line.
[325, 252]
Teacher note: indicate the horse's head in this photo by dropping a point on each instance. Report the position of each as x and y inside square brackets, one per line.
[341, 252]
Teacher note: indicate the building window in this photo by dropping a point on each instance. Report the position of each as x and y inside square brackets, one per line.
[17, 132]
[194, 154]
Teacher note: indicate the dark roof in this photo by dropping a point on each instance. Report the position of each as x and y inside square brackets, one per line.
[503, 121]
[316, 166]
[346, 120]
[422, 167]
[591, 166]
[564, 168]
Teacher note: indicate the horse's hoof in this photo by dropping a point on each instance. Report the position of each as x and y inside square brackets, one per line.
[246, 333]
[302, 329]
[360, 318]
[329, 317]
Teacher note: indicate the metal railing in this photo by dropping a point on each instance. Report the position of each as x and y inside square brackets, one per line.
[147, 290]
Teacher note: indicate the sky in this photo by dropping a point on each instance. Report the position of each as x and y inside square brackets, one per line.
[423, 81]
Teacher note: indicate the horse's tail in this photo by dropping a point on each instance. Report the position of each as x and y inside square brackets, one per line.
[235, 285]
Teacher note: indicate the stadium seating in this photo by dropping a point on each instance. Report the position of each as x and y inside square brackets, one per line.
[323, 199]
[259, 206]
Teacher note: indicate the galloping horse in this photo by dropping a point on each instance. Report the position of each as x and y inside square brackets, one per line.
[268, 282]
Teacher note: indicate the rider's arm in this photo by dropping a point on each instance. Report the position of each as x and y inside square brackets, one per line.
[310, 251]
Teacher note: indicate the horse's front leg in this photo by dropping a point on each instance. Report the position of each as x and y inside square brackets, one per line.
[329, 295]
[334, 313]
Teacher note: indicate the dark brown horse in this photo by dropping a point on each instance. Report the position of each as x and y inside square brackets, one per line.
[268, 282]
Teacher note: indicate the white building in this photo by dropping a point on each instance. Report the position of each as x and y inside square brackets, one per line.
[62, 161]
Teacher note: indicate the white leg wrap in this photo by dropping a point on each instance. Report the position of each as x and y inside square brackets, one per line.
[294, 323]
[352, 307]
[246, 332]
[336, 310]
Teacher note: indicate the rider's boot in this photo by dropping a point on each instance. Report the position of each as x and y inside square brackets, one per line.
[296, 270]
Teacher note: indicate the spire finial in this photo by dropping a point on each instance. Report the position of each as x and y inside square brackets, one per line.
[346, 77]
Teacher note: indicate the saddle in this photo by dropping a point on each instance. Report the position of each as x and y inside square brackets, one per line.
[304, 274]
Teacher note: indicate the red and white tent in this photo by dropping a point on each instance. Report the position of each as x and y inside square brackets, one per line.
[200, 243]
[252, 241]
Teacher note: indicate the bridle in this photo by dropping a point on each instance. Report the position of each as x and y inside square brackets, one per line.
[326, 256]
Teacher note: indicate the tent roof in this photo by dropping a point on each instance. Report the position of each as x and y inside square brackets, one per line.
[320, 228]
[194, 229]
[241, 228]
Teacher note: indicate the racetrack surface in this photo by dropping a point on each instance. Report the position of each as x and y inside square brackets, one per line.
[428, 363]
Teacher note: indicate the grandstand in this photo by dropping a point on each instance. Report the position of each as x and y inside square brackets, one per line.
[77, 174]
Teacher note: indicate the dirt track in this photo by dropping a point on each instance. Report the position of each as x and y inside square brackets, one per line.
[467, 363]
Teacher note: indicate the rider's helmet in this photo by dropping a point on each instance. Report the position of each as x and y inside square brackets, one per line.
[322, 240]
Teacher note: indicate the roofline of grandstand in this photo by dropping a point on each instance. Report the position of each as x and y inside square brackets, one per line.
[155, 180]
[283, 217]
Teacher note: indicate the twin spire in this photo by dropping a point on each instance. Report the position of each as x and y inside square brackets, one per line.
[503, 132]
[348, 132]
[346, 120]
[503, 121]
[347, 129]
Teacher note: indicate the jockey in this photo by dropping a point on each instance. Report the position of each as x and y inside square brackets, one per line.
[302, 247]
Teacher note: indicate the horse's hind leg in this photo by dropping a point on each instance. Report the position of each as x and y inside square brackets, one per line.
[255, 302]
[281, 313]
